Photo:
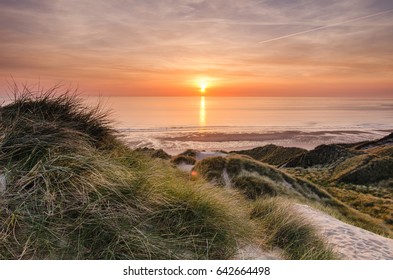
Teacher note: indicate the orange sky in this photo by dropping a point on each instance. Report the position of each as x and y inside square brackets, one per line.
[248, 47]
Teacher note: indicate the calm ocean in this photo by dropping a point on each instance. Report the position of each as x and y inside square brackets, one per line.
[230, 123]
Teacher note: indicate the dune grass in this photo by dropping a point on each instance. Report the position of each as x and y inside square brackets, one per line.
[74, 191]
[255, 186]
[182, 159]
[154, 153]
[375, 170]
[256, 179]
[272, 154]
[284, 229]
[189, 153]
[366, 206]
[211, 169]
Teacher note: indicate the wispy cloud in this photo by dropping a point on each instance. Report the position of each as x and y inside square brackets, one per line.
[128, 45]
[327, 26]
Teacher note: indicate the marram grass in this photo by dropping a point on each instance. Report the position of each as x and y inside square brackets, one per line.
[289, 232]
[76, 191]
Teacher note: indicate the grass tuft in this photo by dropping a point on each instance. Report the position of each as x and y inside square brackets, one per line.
[73, 194]
[182, 159]
[289, 232]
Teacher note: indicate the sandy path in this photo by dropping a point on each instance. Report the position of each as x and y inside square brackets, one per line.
[348, 241]
[253, 252]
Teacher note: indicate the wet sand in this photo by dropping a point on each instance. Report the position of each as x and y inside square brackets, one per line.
[224, 137]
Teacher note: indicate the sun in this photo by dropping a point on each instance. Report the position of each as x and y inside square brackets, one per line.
[203, 85]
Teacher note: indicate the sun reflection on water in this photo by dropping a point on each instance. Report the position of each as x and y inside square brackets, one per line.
[202, 112]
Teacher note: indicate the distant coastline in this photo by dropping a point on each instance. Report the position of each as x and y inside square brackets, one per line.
[71, 188]
[177, 140]
[214, 123]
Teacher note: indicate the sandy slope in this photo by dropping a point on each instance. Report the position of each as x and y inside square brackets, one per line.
[348, 241]
[254, 252]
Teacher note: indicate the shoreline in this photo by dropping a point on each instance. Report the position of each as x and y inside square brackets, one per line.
[177, 142]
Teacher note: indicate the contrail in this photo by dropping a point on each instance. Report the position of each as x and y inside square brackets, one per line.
[324, 27]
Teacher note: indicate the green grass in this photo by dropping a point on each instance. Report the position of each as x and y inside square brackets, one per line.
[211, 169]
[189, 153]
[76, 191]
[286, 230]
[272, 154]
[182, 159]
[73, 194]
[366, 206]
[324, 155]
[255, 178]
[375, 170]
[350, 165]
[255, 186]
[154, 153]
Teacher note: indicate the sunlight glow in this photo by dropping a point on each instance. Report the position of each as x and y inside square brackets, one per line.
[203, 85]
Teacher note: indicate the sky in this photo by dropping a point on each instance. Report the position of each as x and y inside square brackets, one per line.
[171, 47]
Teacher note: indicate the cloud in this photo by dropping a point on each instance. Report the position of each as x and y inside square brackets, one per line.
[119, 40]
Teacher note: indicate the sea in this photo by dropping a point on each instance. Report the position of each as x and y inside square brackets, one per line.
[234, 123]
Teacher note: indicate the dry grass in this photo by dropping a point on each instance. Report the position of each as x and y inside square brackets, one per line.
[286, 230]
[72, 194]
[75, 191]
[182, 159]
[272, 154]
[211, 169]
[366, 206]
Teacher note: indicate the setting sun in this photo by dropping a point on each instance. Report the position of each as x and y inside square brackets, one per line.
[195, 129]
[202, 85]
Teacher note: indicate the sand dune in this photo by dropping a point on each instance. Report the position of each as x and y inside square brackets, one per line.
[348, 241]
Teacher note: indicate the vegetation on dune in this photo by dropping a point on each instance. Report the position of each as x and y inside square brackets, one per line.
[255, 179]
[74, 190]
[367, 200]
[358, 176]
[272, 154]
[375, 170]
[349, 165]
[322, 155]
[286, 230]
[255, 186]
[154, 153]
[387, 140]
[72, 194]
[189, 153]
[368, 207]
[381, 151]
[277, 225]
[49, 114]
[211, 169]
[182, 159]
